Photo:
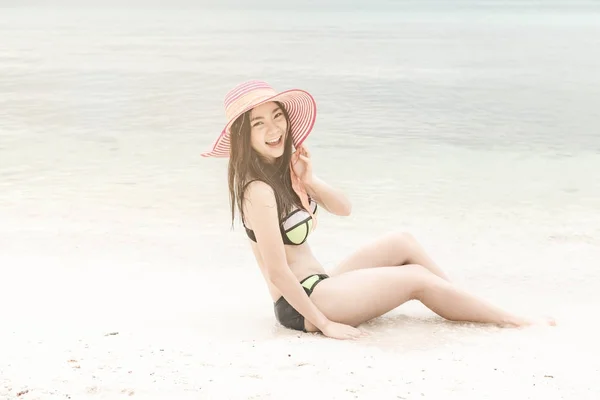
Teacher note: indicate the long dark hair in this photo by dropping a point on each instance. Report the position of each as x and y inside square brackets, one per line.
[245, 164]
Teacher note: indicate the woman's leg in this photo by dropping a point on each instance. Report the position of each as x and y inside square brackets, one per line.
[360, 295]
[393, 249]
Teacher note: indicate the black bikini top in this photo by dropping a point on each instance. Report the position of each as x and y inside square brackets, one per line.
[295, 227]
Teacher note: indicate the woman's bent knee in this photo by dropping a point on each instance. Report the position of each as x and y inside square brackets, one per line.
[402, 238]
[405, 241]
[400, 246]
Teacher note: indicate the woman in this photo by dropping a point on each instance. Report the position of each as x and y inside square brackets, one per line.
[278, 197]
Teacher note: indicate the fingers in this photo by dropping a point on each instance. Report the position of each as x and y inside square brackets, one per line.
[306, 152]
[304, 158]
[356, 336]
[356, 333]
[361, 333]
[303, 150]
[350, 335]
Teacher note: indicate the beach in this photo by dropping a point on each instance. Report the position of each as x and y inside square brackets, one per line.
[121, 275]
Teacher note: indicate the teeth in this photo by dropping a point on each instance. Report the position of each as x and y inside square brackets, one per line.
[274, 140]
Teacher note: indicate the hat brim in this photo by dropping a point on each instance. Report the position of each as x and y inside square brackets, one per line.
[302, 111]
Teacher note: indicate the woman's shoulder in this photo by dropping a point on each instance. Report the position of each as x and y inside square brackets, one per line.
[258, 191]
[259, 205]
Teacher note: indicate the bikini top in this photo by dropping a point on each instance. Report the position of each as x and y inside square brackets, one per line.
[295, 227]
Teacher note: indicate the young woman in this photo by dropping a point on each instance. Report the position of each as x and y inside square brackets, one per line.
[273, 187]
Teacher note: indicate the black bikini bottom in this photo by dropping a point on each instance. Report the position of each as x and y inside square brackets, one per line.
[286, 314]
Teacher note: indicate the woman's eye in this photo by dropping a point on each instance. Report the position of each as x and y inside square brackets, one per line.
[278, 115]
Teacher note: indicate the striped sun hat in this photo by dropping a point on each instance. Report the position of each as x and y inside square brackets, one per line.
[299, 104]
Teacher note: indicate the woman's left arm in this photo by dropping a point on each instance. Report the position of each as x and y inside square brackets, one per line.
[332, 199]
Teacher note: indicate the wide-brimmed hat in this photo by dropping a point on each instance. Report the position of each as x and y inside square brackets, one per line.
[299, 104]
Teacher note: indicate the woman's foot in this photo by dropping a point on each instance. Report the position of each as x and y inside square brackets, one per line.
[525, 322]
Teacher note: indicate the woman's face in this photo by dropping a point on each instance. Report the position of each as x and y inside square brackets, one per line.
[268, 129]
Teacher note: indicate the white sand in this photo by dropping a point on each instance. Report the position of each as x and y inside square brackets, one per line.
[170, 346]
[188, 330]
[179, 363]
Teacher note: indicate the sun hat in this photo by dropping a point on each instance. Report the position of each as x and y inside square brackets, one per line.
[302, 111]
[299, 104]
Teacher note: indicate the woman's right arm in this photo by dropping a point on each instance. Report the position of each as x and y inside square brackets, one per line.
[260, 209]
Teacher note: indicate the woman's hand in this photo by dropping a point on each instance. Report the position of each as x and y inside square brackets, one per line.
[341, 331]
[302, 165]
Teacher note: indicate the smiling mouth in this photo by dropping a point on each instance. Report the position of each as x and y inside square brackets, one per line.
[274, 142]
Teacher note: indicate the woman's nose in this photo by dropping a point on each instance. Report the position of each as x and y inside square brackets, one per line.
[273, 128]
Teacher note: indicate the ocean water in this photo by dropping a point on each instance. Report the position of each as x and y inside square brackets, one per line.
[477, 129]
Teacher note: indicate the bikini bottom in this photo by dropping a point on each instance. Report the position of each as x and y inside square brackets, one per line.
[287, 315]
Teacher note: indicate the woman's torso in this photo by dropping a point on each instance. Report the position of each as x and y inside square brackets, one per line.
[300, 260]
[295, 229]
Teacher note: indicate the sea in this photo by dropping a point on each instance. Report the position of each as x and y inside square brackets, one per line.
[473, 125]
